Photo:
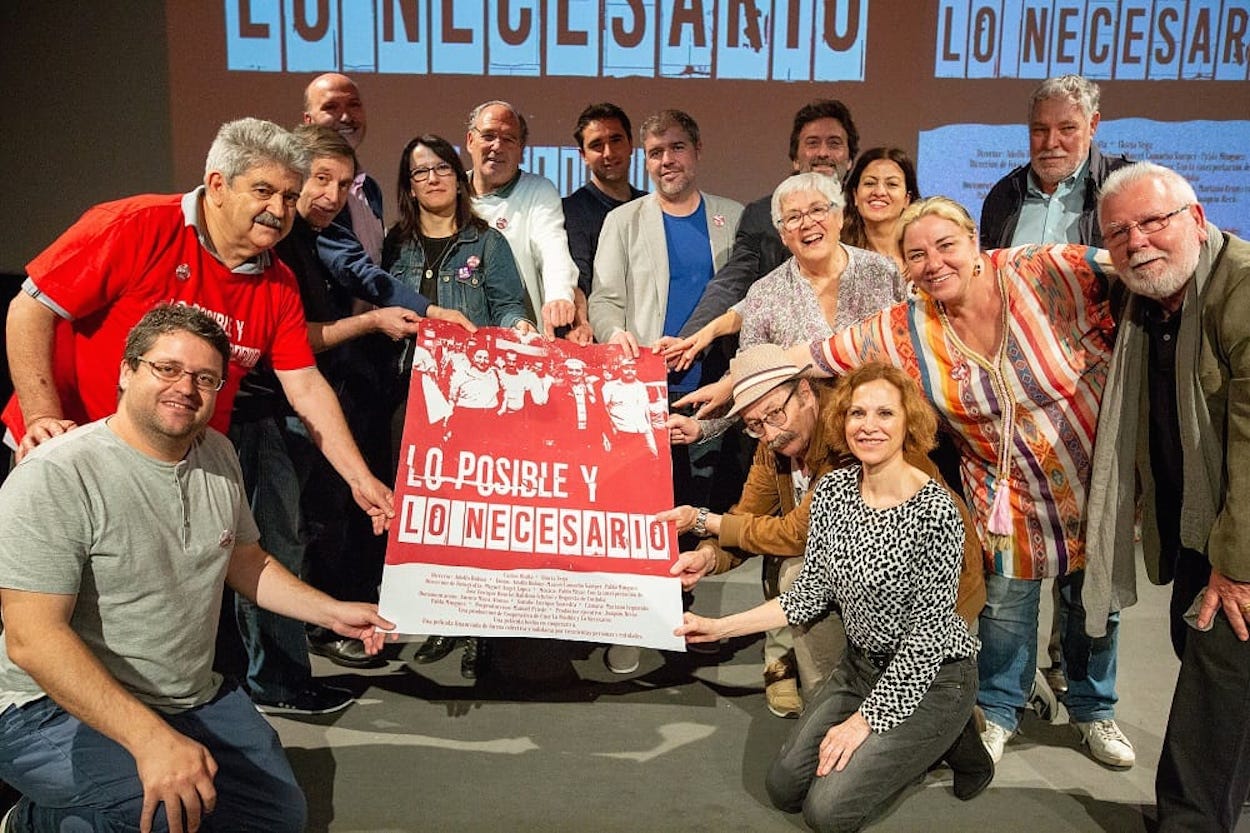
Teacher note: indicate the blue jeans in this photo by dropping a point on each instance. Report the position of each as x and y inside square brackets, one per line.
[75, 780]
[1008, 658]
[276, 457]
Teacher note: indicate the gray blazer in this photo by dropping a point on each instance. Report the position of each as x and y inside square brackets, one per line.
[631, 265]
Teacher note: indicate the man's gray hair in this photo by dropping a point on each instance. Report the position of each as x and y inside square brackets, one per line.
[823, 184]
[1074, 88]
[246, 143]
[1142, 171]
[520, 120]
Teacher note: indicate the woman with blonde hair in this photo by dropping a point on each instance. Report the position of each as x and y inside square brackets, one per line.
[1012, 348]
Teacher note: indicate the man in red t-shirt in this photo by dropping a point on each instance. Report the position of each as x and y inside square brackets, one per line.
[209, 249]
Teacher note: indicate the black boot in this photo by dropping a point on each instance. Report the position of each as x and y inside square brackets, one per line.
[971, 763]
[471, 663]
[434, 649]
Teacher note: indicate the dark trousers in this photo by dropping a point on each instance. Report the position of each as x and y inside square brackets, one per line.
[276, 457]
[884, 763]
[1204, 771]
[343, 557]
[1191, 572]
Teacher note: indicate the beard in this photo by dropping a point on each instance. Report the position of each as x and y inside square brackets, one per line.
[1161, 280]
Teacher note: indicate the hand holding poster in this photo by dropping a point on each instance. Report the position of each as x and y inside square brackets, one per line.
[529, 478]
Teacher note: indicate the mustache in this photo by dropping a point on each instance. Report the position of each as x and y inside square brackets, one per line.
[781, 440]
[266, 218]
[1145, 256]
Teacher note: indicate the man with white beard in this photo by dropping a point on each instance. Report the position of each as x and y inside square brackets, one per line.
[1172, 458]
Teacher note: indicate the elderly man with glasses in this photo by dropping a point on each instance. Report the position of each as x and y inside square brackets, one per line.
[526, 209]
[1170, 459]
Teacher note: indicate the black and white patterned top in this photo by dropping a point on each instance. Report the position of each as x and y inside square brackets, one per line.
[893, 574]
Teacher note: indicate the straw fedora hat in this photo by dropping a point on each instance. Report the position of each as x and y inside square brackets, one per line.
[758, 370]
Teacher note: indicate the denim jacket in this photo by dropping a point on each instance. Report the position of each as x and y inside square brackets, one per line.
[478, 275]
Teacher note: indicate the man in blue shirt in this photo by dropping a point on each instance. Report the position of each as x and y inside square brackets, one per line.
[656, 254]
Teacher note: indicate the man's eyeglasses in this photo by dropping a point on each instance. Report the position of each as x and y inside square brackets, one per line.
[1118, 235]
[172, 372]
[422, 174]
[776, 418]
[818, 213]
[490, 137]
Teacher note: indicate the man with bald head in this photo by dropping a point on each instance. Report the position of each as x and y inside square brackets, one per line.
[333, 100]
[526, 209]
[1172, 459]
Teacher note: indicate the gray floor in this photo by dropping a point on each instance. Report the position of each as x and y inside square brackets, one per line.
[682, 745]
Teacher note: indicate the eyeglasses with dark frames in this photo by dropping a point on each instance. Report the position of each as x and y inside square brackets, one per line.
[172, 371]
[777, 417]
[422, 174]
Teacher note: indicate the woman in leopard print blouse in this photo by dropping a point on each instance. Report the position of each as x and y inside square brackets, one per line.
[884, 549]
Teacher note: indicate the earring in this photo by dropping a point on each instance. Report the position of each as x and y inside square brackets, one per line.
[976, 270]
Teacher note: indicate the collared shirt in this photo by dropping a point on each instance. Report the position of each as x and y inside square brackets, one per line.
[1052, 218]
[124, 257]
[192, 204]
[366, 224]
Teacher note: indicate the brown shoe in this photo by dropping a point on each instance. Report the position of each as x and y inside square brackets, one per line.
[1058, 682]
[781, 689]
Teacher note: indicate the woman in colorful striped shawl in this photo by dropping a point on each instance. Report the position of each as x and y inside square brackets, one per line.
[1011, 346]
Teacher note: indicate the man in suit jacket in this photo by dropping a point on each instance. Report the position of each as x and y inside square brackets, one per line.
[641, 291]
[656, 255]
[1171, 460]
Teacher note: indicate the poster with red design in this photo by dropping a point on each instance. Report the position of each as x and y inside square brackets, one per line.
[530, 474]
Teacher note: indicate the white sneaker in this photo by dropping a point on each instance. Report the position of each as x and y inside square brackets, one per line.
[1107, 743]
[1042, 699]
[995, 737]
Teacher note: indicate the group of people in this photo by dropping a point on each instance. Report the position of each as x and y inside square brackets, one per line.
[1078, 355]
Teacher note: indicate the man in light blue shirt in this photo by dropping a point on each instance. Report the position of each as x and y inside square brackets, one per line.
[1053, 199]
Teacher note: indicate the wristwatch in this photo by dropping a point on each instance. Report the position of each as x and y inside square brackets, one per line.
[700, 523]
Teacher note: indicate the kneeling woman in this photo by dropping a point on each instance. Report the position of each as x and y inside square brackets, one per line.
[884, 549]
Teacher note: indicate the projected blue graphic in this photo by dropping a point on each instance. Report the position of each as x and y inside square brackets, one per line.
[809, 40]
[1124, 40]
[564, 167]
[963, 161]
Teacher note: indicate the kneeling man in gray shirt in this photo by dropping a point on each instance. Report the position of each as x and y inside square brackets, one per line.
[115, 542]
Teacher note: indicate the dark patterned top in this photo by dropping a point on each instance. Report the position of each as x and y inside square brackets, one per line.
[893, 575]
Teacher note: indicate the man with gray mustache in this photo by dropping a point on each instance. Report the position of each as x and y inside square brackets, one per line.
[210, 249]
